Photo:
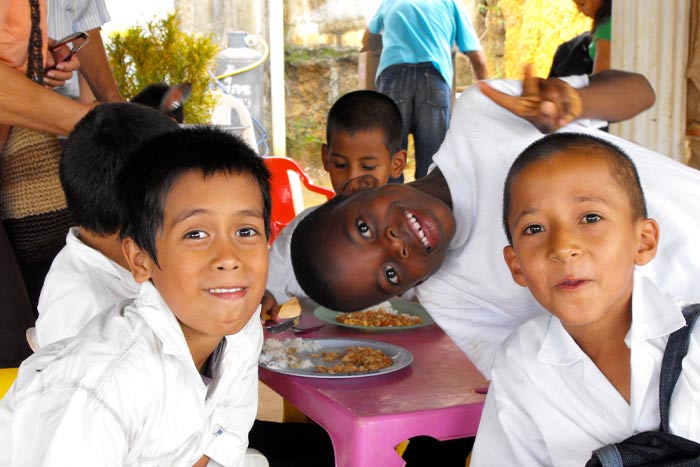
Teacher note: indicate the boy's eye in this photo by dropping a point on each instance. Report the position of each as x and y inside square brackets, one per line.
[533, 229]
[391, 275]
[196, 234]
[591, 219]
[246, 232]
[339, 165]
[364, 229]
[369, 167]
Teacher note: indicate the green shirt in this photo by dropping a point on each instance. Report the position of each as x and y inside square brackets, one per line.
[602, 31]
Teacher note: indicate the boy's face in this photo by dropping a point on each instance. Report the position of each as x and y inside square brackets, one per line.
[212, 254]
[362, 153]
[575, 239]
[383, 241]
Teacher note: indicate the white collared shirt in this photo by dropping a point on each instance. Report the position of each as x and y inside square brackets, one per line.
[125, 392]
[473, 296]
[81, 283]
[281, 281]
[550, 405]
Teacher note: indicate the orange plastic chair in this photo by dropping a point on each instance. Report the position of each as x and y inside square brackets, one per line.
[286, 191]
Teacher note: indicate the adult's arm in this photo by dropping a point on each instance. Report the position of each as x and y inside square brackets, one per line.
[95, 67]
[615, 95]
[27, 104]
[549, 104]
[602, 56]
[478, 61]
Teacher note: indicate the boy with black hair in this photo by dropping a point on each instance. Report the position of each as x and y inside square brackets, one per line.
[171, 377]
[441, 231]
[90, 273]
[587, 374]
[363, 137]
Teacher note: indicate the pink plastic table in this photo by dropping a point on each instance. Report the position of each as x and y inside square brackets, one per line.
[441, 394]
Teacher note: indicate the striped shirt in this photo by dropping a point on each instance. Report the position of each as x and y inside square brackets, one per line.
[69, 16]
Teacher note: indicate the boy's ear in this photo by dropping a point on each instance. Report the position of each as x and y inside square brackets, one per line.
[514, 265]
[324, 156]
[398, 163]
[647, 241]
[139, 261]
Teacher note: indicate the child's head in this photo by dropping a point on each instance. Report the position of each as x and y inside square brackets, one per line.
[360, 249]
[363, 136]
[576, 221]
[95, 152]
[197, 220]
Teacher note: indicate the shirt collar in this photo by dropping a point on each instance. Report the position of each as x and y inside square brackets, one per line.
[103, 262]
[654, 314]
[153, 309]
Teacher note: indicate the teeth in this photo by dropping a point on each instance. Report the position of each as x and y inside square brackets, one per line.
[233, 290]
[415, 225]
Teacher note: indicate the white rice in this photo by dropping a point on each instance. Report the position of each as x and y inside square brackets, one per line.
[384, 306]
[275, 353]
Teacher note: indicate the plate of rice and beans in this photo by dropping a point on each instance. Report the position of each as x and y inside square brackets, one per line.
[333, 357]
[389, 316]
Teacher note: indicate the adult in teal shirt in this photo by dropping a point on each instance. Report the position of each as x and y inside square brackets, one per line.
[415, 66]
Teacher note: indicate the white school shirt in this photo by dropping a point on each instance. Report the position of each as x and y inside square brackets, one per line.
[281, 281]
[81, 283]
[473, 296]
[68, 16]
[550, 405]
[125, 392]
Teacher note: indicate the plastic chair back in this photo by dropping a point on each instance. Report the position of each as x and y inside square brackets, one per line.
[231, 113]
[286, 191]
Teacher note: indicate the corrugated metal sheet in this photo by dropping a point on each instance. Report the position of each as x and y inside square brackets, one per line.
[651, 37]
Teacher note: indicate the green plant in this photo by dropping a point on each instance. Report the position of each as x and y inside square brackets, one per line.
[162, 52]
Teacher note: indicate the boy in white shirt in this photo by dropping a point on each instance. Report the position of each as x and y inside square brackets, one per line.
[171, 377]
[90, 273]
[587, 375]
[363, 137]
[441, 231]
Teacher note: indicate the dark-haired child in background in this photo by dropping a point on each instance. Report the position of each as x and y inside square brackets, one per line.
[90, 273]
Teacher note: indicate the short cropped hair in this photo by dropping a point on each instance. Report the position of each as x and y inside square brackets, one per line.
[366, 110]
[95, 152]
[149, 176]
[622, 168]
[306, 255]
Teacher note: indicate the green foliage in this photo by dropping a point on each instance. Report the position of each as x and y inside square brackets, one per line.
[162, 52]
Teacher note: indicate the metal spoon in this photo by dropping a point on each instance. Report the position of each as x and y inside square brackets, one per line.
[284, 325]
[298, 330]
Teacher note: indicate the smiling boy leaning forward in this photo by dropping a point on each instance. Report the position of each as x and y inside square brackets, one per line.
[363, 137]
[587, 375]
[170, 378]
[442, 234]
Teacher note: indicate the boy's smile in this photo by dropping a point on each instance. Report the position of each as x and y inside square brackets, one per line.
[575, 238]
[212, 254]
[383, 241]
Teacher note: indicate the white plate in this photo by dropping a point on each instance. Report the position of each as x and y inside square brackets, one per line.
[401, 357]
[401, 306]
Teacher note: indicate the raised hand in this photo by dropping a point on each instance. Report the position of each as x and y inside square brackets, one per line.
[548, 104]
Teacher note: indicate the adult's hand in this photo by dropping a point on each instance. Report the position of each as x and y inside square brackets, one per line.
[548, 104]
[58, 72]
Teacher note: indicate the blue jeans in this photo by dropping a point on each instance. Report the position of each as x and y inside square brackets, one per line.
[424, 99]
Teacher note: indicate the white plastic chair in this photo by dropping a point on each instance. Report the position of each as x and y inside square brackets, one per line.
[231, 113]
